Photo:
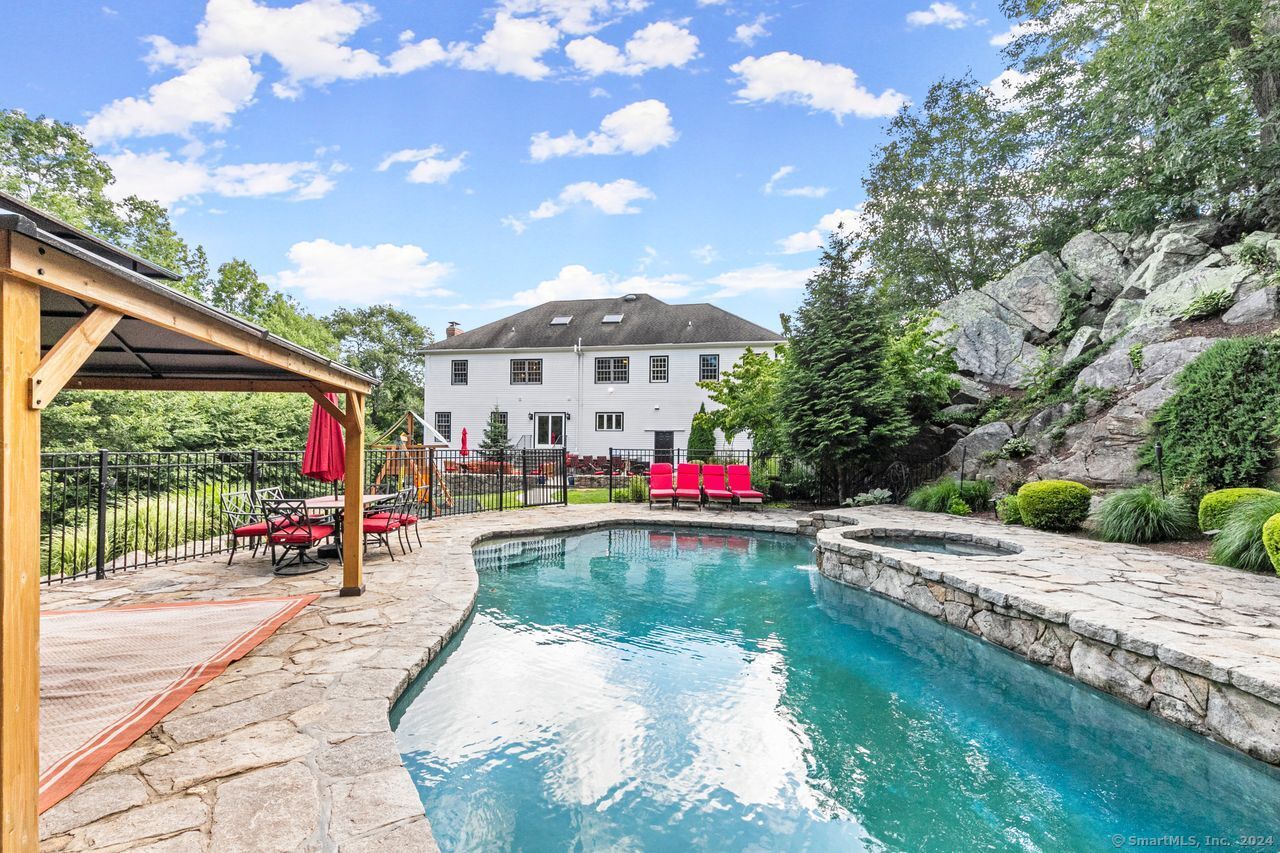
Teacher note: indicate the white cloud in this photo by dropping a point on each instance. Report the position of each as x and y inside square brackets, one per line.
[757, 278]
[635, 129]
[749, 34]
[771, 186]
[613, 199]
[577, 282]
[816, 238]
[308, 40]
[940, 14]
[1008, 85]
[429, 167]
[338, 272]
[512, 46]
[575, 17]
[159, 176]
[705, 254]
[662, 44]
[787, 78]
[1016, 32]
[413, 55]
[208, 93]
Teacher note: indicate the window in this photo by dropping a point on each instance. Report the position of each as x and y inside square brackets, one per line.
[459, 373]
[526, 371]
[562, 320]
[500, 418]
[608, 421]
[611, 318]
[659, 368]
[613, 369]
[708, 368]
[444, 425]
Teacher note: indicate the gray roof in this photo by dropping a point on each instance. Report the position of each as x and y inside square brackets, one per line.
[136, 348]
[646, 321]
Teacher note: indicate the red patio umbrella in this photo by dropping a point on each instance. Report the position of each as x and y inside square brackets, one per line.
[325, 456]
[464, 450]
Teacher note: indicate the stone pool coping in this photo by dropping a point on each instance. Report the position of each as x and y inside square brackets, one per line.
[291, 748]
[1194, 644]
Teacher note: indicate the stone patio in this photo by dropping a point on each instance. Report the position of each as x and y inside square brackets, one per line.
[1194, 644]
[291, 748]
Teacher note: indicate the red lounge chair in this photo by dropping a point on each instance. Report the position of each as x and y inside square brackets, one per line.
[740, 485]
[660, 488]
[687, 488]
[713, 485]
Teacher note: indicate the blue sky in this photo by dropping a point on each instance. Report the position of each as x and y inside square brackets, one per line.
[462, 160]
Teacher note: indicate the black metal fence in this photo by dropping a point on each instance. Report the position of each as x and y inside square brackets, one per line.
[104, 511]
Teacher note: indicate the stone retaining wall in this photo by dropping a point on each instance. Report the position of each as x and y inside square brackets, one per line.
[1176, 688]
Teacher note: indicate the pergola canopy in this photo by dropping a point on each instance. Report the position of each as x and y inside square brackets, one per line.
[78, 312]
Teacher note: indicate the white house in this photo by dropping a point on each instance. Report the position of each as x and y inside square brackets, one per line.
[588, 374]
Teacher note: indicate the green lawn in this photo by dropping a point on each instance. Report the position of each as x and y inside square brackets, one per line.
[588, 496]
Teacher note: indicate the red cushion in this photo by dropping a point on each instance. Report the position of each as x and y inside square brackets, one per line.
[719, 495]
[689, 493]
[380, 525]
[748, 493]
[662, 493]
[301, 535]
[258, 528]
[403, 517]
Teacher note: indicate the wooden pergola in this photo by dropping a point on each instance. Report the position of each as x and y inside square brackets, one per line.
[77, 312]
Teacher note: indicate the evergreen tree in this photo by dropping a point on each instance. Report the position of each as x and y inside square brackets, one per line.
[841, 406]
[702, 436]
[495, 440]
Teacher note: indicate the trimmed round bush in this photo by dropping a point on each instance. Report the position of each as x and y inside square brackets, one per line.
[1216, 506]
[958, 507]
[1008, 510]
[1240, 541]
[1142, 515]
[1271, 540]
[1054, 504]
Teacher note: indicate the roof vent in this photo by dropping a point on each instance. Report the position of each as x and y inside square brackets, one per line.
[562, 320]
[611, 318]
[630, 297]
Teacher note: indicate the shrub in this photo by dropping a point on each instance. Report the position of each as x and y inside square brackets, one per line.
[1142, 515]
[937, 497]
[1017, 448]
[1008, 510]
[1218, 428]
[1216, 506]
[637, 490]
[1239, 542]
[1211, 303]
[1136, 357]
[871, 498]
[1271, 540]
[1255, 255]
[957, 506]
[1054, 504]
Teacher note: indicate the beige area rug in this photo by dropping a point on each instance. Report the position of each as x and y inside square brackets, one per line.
[109, 675]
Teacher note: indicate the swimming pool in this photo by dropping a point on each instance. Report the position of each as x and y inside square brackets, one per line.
[637, 689]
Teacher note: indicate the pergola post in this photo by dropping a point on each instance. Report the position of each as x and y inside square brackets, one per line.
[19, 562]
[353, 492]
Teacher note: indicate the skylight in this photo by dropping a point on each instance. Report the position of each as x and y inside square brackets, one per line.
[612, 318]
[562, 320]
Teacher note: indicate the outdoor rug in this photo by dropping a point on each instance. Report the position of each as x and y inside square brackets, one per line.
[109, 675]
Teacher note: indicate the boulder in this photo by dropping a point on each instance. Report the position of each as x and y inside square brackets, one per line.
[1166, 303]
[1257, 306]
[956, 412]
[1122, 313]
[1103, 452]
[1160, 363]
[1204, 229]
[990, 343]
[970, 391]
[1098, 261]
[1173, 255]
[1084, 337]
[1042, 420]
[1035, 291]
[986, 439]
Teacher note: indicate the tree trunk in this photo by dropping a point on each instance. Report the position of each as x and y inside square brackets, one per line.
[1262, 73]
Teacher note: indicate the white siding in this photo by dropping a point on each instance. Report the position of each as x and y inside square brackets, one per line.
[568, 385]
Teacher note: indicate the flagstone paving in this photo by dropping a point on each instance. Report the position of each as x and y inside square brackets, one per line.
[291, 748]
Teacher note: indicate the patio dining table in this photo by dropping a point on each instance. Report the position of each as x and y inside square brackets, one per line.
[334, 504]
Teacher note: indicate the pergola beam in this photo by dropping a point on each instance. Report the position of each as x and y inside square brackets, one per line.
[329, 406]
[353, 504]
[164, 383]
[33, 262]
[69, 354]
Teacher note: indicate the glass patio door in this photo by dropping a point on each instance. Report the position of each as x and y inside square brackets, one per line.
[548, 429]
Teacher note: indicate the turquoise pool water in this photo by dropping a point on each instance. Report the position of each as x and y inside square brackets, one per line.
[656, 690]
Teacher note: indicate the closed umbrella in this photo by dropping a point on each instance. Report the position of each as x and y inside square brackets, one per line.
[325, 456]
[464, 450]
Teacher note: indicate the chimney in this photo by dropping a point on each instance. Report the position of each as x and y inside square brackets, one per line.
[454, 329]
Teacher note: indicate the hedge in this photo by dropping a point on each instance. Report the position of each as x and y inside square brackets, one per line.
[1054, 504]
[1008, 511]
[1216, 506]
[1271, 540]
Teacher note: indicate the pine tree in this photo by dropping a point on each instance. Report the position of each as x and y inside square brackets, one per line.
[841, 407]
[494, 441]
[702, 436]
